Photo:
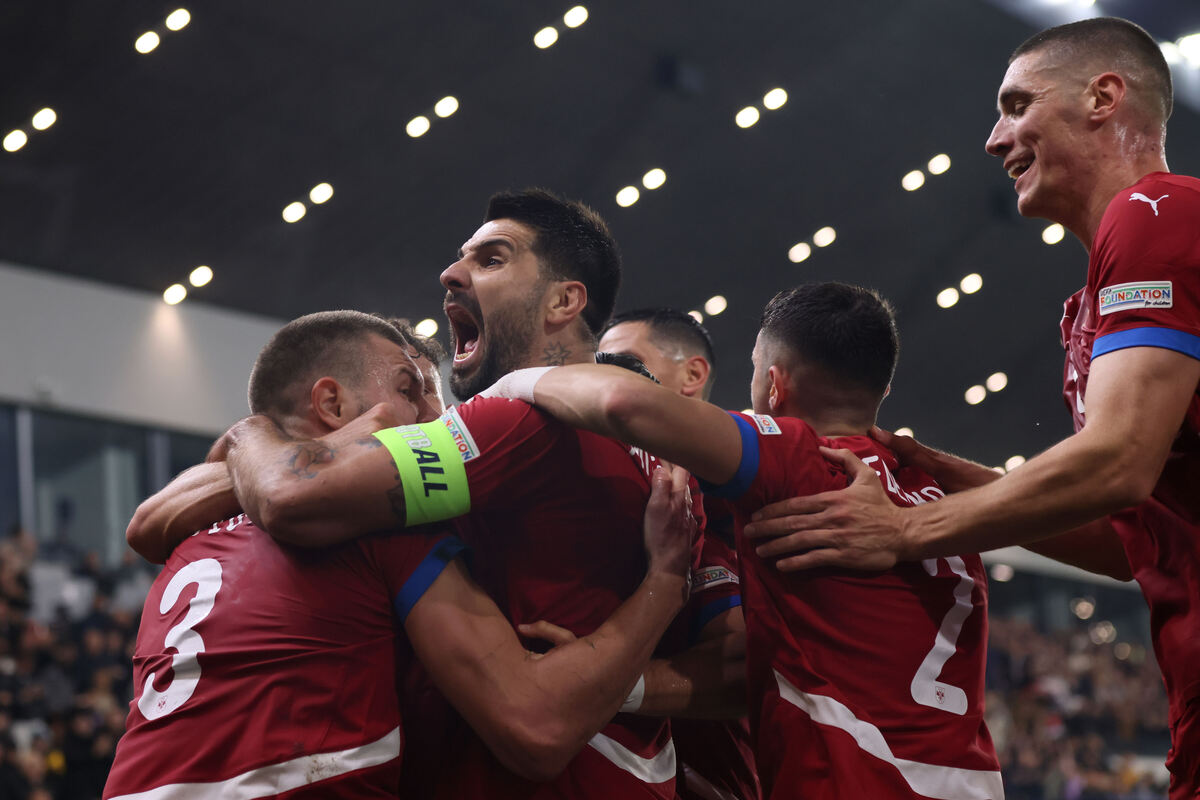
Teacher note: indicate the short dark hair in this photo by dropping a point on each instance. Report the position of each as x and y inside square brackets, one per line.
[671, 326]
[848, 331]
[1118, 42]
[428, 347]
[328, 343]
[572, 243]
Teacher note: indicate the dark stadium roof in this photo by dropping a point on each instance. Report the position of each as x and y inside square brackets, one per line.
[188, 154]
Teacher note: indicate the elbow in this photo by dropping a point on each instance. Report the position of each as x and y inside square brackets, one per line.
[537, 750]
[139, 537]
[620, 406]
[1130, 484]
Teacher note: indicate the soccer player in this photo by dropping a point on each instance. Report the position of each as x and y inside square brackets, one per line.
[860, 685]
[555, 513]
[674, 347]
[262, 670]
[715, 756]
[1083, 111]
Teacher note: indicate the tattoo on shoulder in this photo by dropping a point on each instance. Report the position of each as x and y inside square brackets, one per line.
[555, 355]
[307, 457]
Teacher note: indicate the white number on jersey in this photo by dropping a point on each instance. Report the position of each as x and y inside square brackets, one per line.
[206, 574]
[926, 688]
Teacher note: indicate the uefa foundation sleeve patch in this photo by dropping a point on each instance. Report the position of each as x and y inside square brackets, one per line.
[432, 471]
[1142, 294]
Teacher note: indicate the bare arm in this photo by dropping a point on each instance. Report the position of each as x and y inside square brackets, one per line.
[317, 492]
[193, 500]
[615, 402]
[706, 681]
[536, 712]
[1094, 547]
[1136, 402]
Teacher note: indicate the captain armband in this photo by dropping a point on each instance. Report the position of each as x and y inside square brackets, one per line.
[431, 470]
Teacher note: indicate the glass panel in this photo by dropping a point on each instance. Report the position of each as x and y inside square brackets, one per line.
[10, 510]
[187, 450]
[89, 477]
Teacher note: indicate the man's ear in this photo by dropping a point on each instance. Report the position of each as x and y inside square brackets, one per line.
[1105, 94]
[777, 394]
[696, 370]
[565, 301]
[330, 403]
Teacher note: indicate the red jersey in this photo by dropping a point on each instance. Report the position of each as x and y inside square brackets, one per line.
[861, 684]
[1143, 290]
[262, 670]
[715, 757]
[556, 531]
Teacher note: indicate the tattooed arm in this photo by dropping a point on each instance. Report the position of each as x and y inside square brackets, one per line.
[316, 492]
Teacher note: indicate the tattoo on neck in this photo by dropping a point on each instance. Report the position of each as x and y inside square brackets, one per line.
[306, 458]
[555, 355]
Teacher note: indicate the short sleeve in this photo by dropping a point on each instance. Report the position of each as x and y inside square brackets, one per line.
[777, 455]
[1146, 270]
[506, 445]
[716, 587]
[411, 562]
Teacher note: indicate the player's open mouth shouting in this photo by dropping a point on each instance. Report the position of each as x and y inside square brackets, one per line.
[466, 329]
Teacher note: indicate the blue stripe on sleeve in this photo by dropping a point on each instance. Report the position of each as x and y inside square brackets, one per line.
[1166, 338]
[710, 612]
[747, 468]
[425, 574]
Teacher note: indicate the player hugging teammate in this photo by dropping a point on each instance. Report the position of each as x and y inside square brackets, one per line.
[515, 598]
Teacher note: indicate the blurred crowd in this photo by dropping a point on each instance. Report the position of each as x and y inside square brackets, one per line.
[65, 666]
[1071, 719]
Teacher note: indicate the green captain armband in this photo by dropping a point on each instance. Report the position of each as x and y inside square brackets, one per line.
[431, 470]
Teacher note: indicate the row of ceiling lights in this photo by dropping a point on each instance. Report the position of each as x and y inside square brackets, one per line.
[772, 101]
[176, 292]
[17, 138]
[295, 210]
[177, 20]
[915, 179]
[548, 35]
[419, 125]
[652, 180]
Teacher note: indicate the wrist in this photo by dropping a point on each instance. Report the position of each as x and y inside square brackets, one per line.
[910, 546]
[671, 585]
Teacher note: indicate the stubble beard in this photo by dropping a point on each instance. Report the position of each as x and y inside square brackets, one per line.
[510, 336]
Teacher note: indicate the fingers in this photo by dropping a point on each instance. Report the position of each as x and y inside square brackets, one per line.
[823, 557]
[885, 438]
[679, 479]
[547, 632]
[851, 463]
[384, 415]
[793, 544]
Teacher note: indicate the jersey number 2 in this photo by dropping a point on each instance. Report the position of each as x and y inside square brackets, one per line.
[206, 574]
[926, 688]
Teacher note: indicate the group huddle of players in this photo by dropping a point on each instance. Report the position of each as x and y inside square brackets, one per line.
[526, 595]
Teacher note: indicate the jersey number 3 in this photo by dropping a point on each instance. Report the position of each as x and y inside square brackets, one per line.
[206, 574]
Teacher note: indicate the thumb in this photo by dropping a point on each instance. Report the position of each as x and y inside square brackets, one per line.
[851, 463]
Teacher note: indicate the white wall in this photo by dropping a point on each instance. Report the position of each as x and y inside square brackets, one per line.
[102, 351]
